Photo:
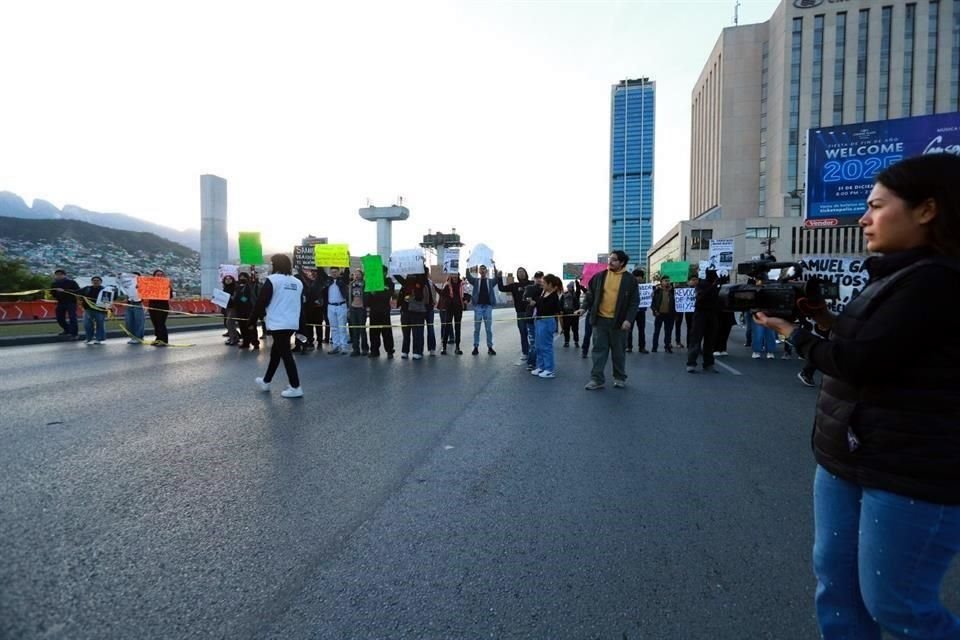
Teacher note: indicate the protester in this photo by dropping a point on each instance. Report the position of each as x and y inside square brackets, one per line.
[516, 290]
[430, 316]
[357, 316]
[764, 338]
[484, 300]
[706, 319]
[64, 292]
[640, 320]
[610, 302]
[661, 306]
[229, 286]
[279, 301]
[313, 312]
[679, 318]
[133, 318]
[159, 310]
[416, 294]
[245, 301]
[381, 331]
[887, 487]
[547, 308]
[335, 288]
[94, 317]
[451, 303]
[726, 321]
[531, 294]
[569, 303]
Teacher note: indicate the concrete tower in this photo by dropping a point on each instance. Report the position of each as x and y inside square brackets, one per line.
[213, 231]
[384, 216]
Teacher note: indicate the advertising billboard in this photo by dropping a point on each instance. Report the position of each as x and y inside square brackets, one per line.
[843, 161]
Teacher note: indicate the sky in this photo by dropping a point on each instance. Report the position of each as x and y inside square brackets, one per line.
[489, 117]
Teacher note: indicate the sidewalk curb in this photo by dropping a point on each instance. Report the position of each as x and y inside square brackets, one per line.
[22, 341]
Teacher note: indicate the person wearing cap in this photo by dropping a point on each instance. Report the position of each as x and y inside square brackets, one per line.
[484, 299]
[94, 317]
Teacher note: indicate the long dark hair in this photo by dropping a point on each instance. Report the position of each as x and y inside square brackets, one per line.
[931, 177]
[526, 276]
[281, 264]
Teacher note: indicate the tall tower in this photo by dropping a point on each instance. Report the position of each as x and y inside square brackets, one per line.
[632, 120]
[213, 231]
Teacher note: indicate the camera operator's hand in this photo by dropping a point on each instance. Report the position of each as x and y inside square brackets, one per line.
[781, 326]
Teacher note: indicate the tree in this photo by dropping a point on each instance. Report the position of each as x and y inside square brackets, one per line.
[16, 276]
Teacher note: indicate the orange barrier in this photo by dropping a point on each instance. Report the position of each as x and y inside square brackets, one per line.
[46, 309]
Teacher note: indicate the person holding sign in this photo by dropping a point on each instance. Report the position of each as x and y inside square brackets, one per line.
[159, 309]
[381, 331]
[279, 300]
[569, 303]
[706, 321]
[484, 299]
[451, 303]
[886, 435]
[335, 289]
[133, 318]
[517, 289]
[244, 301]
[94, 317]
[357, 316]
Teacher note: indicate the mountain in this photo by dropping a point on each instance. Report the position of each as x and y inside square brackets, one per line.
[13, 206]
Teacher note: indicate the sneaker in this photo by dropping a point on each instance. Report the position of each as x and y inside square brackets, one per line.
[691, 368]
[160, 343]
[522, 362]
[418, 356]
[332, 352]
[785, 356]
[404, 356]
[593, 384]
[547, 374]
[668, 349]
[643, 351]
[475, 352]
[531, 367]
[99, 342]
[756, 356]
[264, 386]
[132, 341]
[723, 353]
[716, 354]
[433, 353]
[491, 352]
[771, 356]
[806, 380]
[292, 392]
[710, 369]
[443, 351]
[88, 342]
[390, 356]
[536, 372]
[680, 345]
[619, 384]
[458, 352]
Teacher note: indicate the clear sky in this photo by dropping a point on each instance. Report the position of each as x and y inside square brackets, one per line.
[491, 117]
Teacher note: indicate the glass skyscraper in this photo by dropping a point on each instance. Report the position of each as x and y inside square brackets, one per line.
[632, 118]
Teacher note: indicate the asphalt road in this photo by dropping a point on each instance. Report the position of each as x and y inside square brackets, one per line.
[148, 493]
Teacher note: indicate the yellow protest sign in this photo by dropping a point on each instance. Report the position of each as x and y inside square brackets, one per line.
[331, 255]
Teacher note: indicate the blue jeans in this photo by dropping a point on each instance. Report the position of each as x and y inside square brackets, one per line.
[94, 321]
[67, 317]
[431, 332]
[483, 312]
[879, 559]
[531, 328]
[764, 339]
[544, 343]
[522, 328]
[133, 319]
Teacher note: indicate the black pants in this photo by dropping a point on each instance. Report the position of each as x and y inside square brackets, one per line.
[678, 320]
[158, 318]
[248, 329]
[413, 324]
[640, 324]
[664, 321]
[357, 321]
[451, 327]
[380, 330]
[281, 351]
[570, 322]
[726, 322]
[312, 323]
[703, 338]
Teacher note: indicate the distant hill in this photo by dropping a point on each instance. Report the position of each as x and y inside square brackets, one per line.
[54, 231]
[13, 206]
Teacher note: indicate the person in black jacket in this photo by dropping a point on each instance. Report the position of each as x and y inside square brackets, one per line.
[887, 429]
[662, 308]
[381, 330]
[229, 286]
[640, 320]
[243, 307]
[335, 293]
[516, 290]
[451, 302]
[94, 317]
[159, 310]
[706, 321]
[64, 292]
[546, 310]
[569, 303]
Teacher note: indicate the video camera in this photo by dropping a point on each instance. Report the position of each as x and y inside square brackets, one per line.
[788, 297]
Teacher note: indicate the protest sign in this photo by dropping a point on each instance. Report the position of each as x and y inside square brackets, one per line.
[153, 288]
[590, 269]
[251, 251]
[220, 298]
[331, 255]
[303, 258]
[646, 295]
[678, 272]
[372, 266]
[721, 255]
[105, 298]
[451, 260]
[225, 270]
[702, 268]
[572, 270]
[128, 285]
[847, 272]
[685, 299]
[406, 261]
[481, 255]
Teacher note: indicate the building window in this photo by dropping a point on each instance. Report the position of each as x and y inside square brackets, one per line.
[765, 66]
[909, 31]
[886, 27]
[932, 28]
[863, 35]
[700, 238]
[838, 67]
[817, 78]
[762, 232]
[793, 141]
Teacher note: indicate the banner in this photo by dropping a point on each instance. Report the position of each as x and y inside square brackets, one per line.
[153, 288]
[703, 266]
[481, 255]
[685, 299]
[331, 255]
[845, 271]
[451, 260]
[678, 272]
[590, 269]
[128, 285]
[572, 270]
[303, 258]
[225, 270]
[843, 162]
[105, 298]
[251, 251]
[372, 273]
[721, 255]
[406, 262]
[646, 295]
[220, 298]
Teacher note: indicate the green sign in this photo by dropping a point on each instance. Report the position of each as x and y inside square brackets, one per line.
[251, 251]
[372, 274]
[676, 271]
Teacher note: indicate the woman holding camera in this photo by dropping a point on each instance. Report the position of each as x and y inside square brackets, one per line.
[887, 428]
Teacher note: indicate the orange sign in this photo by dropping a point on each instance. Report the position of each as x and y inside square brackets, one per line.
[153, 288]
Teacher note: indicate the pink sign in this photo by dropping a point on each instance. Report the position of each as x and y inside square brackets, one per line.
[590, 269]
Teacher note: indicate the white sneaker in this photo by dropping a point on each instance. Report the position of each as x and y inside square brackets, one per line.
[521, 362]
[292, 392]
[404, 356]
[99, 342]
[724, 353]
[756, 356]
[132, 341]
[771, 356]
[433, 352]
[264, 386]
[536, 372]
[547, 374]
[88, 342]
[417, 356]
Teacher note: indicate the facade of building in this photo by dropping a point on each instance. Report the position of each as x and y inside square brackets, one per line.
[632, 120]
[213, 232]
[815, 63]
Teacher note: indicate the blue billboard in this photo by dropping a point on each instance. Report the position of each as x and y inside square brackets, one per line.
[843, 161]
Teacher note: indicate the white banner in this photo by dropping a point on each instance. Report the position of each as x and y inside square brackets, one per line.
[220, 298]
[481, 255]
[702, 269]
[406, 262]
[721, 255]
[685, 299]
[646, 295]
[451, 260]
[845, 271]
[128, 285]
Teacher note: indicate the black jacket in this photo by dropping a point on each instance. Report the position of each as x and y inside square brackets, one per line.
[88, 297]
[627, 298]
[342, 282]
[658, 298]
[888, 413]
[515, 289]
[230, 289]
[379, 302]
[708, 298]
[62, 297]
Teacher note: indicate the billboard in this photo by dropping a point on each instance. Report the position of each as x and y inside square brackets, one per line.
[843, 161]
